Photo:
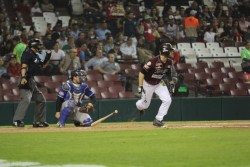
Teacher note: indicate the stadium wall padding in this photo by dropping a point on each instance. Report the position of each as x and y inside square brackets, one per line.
[181, 109]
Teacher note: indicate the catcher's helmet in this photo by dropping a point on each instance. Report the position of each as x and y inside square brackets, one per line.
[166, 48]
[81, 73]
[35, 43]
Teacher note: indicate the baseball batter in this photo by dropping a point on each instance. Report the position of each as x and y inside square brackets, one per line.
[70, 100]
[150, 81]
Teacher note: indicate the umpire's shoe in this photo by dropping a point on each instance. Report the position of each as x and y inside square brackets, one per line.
[40, 125]
[18, 123]
[159, 123]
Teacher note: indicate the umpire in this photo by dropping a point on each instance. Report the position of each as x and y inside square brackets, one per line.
[31, 65]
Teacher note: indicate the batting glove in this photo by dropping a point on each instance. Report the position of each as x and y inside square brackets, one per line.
[140, 89]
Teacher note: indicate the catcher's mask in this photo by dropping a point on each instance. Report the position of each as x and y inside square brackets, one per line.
[35, 43]
[165, 49]
[81, 73]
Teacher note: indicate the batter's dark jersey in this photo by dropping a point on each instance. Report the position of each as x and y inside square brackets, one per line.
[33, 62]
[155, 69]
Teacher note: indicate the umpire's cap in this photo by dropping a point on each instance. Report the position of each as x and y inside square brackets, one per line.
[35, 43]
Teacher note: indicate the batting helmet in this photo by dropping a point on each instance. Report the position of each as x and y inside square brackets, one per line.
[35, 43]
[166, 48]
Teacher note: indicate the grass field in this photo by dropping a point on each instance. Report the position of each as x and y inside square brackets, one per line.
[150, 147]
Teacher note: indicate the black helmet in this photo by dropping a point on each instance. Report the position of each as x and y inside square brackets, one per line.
[35, 43]
[166, 48]
[81, 73]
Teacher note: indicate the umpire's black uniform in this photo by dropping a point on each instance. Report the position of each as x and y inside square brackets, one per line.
[31, 66]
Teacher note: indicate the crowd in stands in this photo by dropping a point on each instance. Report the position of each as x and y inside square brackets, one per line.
[110, 31]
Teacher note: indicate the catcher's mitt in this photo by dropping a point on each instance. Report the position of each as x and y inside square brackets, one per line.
[87, 108]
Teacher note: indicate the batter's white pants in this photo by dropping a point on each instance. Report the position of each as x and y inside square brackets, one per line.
[163, 93]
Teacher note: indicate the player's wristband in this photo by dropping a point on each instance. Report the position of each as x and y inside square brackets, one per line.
[23, 77]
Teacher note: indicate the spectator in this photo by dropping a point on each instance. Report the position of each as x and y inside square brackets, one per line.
[81, 39]
[75, 31]
[92, 44]
[16, 27]
[70, 44]
[148, 33]
[110, 66]
[129, 26]
[23, 7]
[62, 40]
[191, 25]
[3, 70]
[206, 14]
[144, 54]
[13, 68]
[247, 35]
[219, 12]
[209, 35]
[94, 62]
[102, 31]
[84, 54]
[70, 62]
[245, 55]
[93, 11]
[36, 10]
[128, 49]
[116, 51]
[49, 28]
[109, 43]
[243, 24]
[46, 6]
[194, 6]
[19, 48]
[57, 56]
[48, 43]
[24, 36]
[172, 30]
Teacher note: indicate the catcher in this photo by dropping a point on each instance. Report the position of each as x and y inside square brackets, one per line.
[69, 101]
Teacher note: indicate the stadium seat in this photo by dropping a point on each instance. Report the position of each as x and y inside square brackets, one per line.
[201, 64]
[16, 91]
[230, 80]
[104, 84]
[109, 95]
[41, 79]
[111, 77]
[94, 77]
[126, 95]
[136, 66]
[212, 45]
[210, 70]
[213, 86]
[238, 92]
[218, 75]
[59, 78]
[50, 96]
[241, 85]
[11, 97]
[99, 90]
[65, 20]
[116, 89]
[227, 69]
[226, 87]
[9, 86]
[200, 45]
[183, 67]
[51, 86]
[183, 45]
[91, 83]
[216, 50]
[217, 64]
[231, 49]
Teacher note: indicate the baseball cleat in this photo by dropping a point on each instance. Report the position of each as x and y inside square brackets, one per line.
[18, 123]
[40, 124]
[158, 123]
[60, 125]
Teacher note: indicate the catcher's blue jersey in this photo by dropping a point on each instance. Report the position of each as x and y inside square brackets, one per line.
[71, 91]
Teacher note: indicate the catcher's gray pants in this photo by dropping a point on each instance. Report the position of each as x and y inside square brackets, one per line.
[73, 109]
[26, 96]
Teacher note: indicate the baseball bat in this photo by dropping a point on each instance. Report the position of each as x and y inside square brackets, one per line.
[104, 118]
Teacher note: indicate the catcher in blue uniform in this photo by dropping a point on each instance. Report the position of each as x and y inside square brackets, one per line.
[70, 100]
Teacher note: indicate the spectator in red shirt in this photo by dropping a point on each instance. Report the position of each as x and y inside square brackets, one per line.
[13, 68]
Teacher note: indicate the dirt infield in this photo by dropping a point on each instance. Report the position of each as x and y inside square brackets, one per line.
[130, 126]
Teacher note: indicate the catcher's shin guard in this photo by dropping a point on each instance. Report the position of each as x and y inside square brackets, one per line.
[87, 122]
[64, 115]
